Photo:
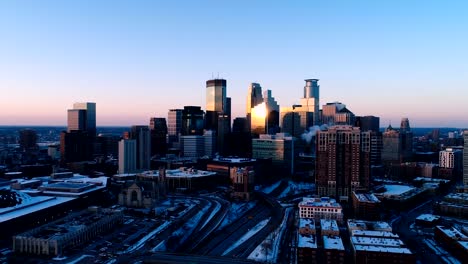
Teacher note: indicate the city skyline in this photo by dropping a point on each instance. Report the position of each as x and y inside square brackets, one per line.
[137, 61]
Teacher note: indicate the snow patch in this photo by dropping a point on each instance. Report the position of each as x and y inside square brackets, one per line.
[247, 235]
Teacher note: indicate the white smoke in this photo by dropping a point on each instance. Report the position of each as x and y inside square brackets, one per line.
[310, 133]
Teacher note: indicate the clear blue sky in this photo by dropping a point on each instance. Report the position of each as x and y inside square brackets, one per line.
[137, 59]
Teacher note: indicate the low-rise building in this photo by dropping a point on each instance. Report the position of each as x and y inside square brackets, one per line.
[307, 242]
[329, 227]
[366, 206]
[54, 238]
[354, 224]
[333, 250]
[242, 182]
[321, 208]
[453, 240]
[455, 204]
[377, 246]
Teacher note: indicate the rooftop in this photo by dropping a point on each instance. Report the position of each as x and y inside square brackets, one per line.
[233, 159]
[369, 225]
[395, 250]
[320, 202]
[453, 233]
[365, 197]
[329, 225]
[303, 222]
[182, 172]
[377, 241]
[371, 233]
[333, 242]
[428, 217]
[307, 241]
[396, 189]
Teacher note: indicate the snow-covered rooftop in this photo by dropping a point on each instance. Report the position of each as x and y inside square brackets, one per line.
[395, 250]
[181, 173]
[30, 205]
[307, 241]
[332, 242]
[329, 225]
[368, 225]
[319, 202]
[376, 241]
[372, 233]
[365, 197]
[396, 189]
[304, 222]
[233, 159]
[428, 217]
[453, 233]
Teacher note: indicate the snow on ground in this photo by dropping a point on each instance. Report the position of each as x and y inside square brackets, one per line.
[235, 211]
[159, 247]
[143, 240]
[248, 235]
[79, 259]
[111, 261]
[269, 189]
[217, 208]
[267, 251]
[187, 229]
[59, 258]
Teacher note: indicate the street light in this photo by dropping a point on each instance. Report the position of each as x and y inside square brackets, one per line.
[292, 138]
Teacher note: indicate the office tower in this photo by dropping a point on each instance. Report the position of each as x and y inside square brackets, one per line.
[343, 160]
[142, 136]
[196, 146]
[90, 116]
[174, 127]
[465, 159]
[158, 129]
[290, 116]
[397, 146]
[210, 141]
[192, 121]
[240, 125]
[405, 126]
[127, 156]
[254, 98]
[337, 114]
[218, 111]
[368, 123]
[108, 144]
[451, 159]
[74, 146]
[264, 117]
[27, 139]
[76, 120]
[279, 148]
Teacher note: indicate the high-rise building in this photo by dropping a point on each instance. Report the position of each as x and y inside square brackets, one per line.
[127, 156]
[74, 146]
[264, 117]
[254, 96]
[343, 160]
[174, 127]
[451, 159]
[28, 139]
[90, 116]
[405, 126]
[158, 128]
[337, 114]
[218, 111]
[397, 146]
[196, 146]
[279, 148]
[192, 121]
[368, 123]
[76, 120]
[142, 136]
[465, 159]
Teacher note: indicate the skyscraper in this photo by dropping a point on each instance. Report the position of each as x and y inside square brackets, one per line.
[337, 114]
[127, 156]
[158, 128]
[218, 111]
[405, 126]
[465, 159]
[142, 137]
[343, 160]
[90, 116]
[264, 117]
[76, 120]
[368, 123]
[254, 98]
[174, 127]
[192, 121]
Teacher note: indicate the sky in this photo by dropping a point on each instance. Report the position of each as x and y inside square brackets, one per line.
[137, 59]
